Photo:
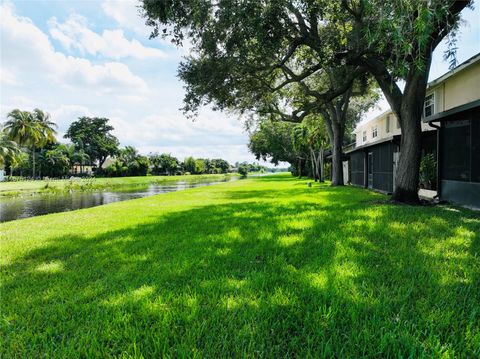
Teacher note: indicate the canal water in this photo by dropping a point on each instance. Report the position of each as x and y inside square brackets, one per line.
[12, 208]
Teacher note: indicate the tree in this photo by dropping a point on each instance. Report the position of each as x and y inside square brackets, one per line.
[248, 51]
[8, 148]
[95, 137]
[261, 60]
[80, 157]
[135, 164]
[47, 129]
[274, 141]
[164, 164]
[220, 166]
[395, 40]
[200, 167]
[312, 133]
[46, 126]
[57, 161]
[243, 169]
[30, 130]
[189, 164]
[18, 162]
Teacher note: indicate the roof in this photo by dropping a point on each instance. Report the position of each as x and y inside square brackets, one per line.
[370, 144]
[472, 60]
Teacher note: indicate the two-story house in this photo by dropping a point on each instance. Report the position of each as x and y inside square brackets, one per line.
[452, 105]
[452, 101]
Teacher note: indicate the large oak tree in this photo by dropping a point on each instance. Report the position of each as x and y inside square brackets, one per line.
[244, 51]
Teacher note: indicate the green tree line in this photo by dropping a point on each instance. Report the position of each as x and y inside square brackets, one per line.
[29, 148]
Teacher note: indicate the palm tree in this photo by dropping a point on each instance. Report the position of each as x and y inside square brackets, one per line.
[22, 128]
[30, 129]
[81, 157]
[47, 127]
[8, 148]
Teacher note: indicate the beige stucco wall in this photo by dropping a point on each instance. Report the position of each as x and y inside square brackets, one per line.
[381, 123]
[463, 87]
[458, 89]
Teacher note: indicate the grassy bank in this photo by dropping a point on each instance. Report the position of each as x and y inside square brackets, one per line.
[29, 187]
[263, 267]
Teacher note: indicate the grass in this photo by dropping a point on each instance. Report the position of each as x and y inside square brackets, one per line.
[263, 267]
[17, 188]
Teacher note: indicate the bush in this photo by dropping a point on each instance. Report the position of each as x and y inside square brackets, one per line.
[428, 171]
[243, 170]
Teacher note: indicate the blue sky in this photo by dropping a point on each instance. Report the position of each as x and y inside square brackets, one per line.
[94, 58]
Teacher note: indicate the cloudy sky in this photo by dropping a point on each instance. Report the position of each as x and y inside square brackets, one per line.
[94, 58]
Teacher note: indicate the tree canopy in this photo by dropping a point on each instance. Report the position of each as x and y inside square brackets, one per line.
[94, 136]
[250, 55]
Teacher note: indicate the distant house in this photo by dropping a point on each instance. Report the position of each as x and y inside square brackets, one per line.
[450, 131]
[78, 169]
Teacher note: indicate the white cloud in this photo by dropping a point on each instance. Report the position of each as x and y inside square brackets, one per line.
[127, 14]
[74, 34]
[68, 86]
[31, 55]
[64, 115]
[8, 78]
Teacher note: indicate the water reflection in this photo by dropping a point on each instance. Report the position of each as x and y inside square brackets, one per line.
[12, 208]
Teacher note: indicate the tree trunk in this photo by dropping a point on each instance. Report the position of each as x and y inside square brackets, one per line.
[313, 160]
[407, 180]
[33, 162]
[337, 154]
[408, 107]
[320, 165]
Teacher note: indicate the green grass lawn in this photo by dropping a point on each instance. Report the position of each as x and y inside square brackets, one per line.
[28, 187]
[263, 267]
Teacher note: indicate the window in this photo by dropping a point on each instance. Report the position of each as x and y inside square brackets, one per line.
[387, 124]
[364, 136]
[429, 105]
[374, 132]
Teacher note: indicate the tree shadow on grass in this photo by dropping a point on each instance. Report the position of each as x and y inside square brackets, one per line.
[296, 278]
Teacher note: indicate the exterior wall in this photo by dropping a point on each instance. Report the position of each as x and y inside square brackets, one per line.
[381, 123]
[464, 193]
[462, 87]
[77, 169]
[458, 89]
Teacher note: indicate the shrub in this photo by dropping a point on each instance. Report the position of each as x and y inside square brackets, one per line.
[243, 170]
[428, 171]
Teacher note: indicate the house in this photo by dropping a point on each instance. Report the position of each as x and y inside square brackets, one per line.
[79, 169]
[452, 105]
[450, 131]
[372, 161]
